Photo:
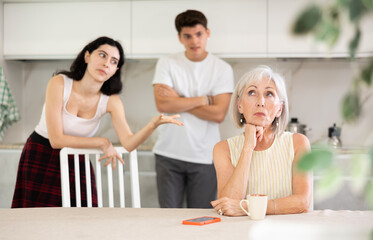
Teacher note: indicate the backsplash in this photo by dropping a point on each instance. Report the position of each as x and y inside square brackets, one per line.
[315, 89]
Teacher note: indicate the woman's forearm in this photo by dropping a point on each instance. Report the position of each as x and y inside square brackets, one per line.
[134, 140]
[288, 205]
[58, 142]
[236, 186]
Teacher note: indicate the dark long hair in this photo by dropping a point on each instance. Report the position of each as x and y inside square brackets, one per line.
[77, 69]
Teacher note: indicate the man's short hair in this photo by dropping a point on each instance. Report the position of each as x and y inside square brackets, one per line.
[190, 18]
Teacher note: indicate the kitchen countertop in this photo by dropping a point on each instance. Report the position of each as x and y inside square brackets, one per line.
[11, 146]
[148, 147]
[16, 146]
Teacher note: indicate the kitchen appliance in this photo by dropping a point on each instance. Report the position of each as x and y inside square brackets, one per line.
[296, 127]
[334, 134]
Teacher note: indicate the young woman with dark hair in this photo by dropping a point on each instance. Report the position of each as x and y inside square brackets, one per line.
[74, 104]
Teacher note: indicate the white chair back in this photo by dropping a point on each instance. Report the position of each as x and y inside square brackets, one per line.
[65, 182]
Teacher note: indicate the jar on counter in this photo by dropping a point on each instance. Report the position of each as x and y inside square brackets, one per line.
[295, 126]
[334, 134]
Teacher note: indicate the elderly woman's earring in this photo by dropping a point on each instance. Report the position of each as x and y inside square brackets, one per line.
[276, 122]
[242, 119]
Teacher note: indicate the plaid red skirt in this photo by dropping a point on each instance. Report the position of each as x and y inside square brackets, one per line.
[39, 180]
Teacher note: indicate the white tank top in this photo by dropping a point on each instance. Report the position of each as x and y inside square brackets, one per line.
[73, 125]
[271, 169]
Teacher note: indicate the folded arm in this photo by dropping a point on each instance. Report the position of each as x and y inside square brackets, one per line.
[168, 101]
[216, 111]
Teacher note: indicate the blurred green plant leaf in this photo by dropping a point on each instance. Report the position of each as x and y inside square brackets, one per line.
[357, 9]
[366, 73]
[360, 166]
[329, 184]
[351, 107]
[354, 43]
[368, 4]
[327, 32]
[369, 194]
[307, 20]
[315, 160]
[330, 177]
[343, 3]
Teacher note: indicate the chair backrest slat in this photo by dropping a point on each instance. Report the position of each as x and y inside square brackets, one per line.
[135, 190]
[121, 185]
[110, 185]
[65, 183]
[77, 180]
[88, 179]
[65, 186]
[98, 181]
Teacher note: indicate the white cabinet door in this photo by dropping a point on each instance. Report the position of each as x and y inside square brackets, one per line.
[60, 30]
[282, 43]
[9, 159]
[237, 27]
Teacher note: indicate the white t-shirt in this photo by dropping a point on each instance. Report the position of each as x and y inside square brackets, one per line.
[73, 125]
[194, 141]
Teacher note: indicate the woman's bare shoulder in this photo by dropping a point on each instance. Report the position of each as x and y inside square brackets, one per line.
[114, 103]
[301, 142]
[221, 147]
[56, 81]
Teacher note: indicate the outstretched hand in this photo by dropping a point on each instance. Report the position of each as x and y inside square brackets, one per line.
[162, 119]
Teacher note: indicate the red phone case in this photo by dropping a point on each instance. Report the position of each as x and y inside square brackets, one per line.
[201, 220]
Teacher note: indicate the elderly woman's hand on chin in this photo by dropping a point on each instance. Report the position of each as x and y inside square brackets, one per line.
[228, 207]
[253, 134]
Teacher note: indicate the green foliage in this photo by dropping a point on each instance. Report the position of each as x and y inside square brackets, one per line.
[324, 24]
[315, 160]
[328, 31]
[369, 194]
[307, 21]
[366, 73]
[359, 166]
[329, 184]
[354, 43]
[356, 10]
[351, 108]
[368, 4]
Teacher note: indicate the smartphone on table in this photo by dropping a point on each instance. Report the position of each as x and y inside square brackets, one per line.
[201, 220]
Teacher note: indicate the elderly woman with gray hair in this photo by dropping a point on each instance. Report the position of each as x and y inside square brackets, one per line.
[263, 159]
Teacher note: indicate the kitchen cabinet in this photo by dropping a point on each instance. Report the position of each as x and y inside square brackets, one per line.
[59, 30]
[238, 27]
[281, 43]
[9, 159]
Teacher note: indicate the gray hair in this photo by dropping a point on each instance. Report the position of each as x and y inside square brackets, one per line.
[254, 76]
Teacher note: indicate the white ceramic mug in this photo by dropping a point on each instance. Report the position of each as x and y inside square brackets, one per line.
[256, 206]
